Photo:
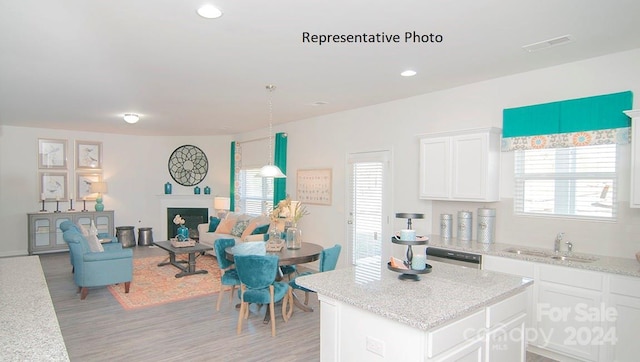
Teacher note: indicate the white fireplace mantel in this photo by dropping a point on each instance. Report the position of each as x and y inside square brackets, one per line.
[178, 201]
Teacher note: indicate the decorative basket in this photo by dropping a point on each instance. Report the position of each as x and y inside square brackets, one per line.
[182, 244]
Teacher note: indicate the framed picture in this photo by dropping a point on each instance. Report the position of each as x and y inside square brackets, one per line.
[53, 186]
[83, 185]
[314, 186]
[52, 153]
[88, 155]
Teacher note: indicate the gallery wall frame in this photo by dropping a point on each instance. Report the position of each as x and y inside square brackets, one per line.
[83, 185]
[52, 153]
[314, 186]
[53, 186]
[88, 155]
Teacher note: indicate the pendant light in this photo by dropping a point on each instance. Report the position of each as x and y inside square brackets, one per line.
[271, 170]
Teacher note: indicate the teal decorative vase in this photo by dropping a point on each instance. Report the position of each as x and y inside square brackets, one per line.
[167, 188]
[207, 190]
[183, 233]
[99, 204]
[196, 190]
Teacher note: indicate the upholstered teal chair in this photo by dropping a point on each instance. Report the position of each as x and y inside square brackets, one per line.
[113, 245]
[93, 269]
[258, 285]
[228, 276]
[328, 261]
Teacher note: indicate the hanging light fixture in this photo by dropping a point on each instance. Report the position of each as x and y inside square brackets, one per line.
[271, 170]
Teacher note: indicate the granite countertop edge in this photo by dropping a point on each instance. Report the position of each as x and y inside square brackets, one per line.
[607, 264]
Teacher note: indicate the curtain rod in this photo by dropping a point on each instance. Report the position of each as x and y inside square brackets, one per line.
[259, 139]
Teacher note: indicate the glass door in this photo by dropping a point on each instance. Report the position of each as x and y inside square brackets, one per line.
[368, 198]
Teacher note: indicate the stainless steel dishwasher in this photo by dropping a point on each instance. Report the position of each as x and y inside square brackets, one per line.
[461, 258]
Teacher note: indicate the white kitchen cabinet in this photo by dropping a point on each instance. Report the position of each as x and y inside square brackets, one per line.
[460, 166]
[624, 298]
[635, 157]
[566, 297]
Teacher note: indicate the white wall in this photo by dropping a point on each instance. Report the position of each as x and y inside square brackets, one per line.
[135, 167]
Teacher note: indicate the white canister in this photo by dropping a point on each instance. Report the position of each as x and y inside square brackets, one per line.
[465, 225]
[446, 226]
[408, 235]
[486, 225]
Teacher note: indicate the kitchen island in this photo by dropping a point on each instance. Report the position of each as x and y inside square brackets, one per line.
[451, 314]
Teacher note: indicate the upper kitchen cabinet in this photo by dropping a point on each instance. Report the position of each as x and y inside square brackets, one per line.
[461, 166]
[635, 157]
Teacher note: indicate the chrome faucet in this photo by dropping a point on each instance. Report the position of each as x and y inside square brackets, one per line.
[556, 244]
[569, 246]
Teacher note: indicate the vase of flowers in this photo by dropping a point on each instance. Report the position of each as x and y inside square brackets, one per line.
[183, 231]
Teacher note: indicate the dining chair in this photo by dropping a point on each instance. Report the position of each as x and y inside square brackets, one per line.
[327, 261]
[228, 275]
[258, 285]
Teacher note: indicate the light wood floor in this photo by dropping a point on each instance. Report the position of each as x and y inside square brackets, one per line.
[99, 329]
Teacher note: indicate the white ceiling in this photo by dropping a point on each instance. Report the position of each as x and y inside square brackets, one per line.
[78, 64]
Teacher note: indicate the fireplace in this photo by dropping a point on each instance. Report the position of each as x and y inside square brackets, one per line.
[192, 217]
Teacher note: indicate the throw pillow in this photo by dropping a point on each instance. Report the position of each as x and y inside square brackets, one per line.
[94, 244]
[263, 229]
[83, 229]
[239, 228]
[226, 226]
[253, 224]
[213, 223]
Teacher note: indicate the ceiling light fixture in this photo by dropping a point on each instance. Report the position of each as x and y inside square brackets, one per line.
[131, 118]
[408, 73]
[209, 12]
[271, 170]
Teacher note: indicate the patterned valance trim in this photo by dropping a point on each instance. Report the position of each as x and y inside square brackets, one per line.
[619, 136]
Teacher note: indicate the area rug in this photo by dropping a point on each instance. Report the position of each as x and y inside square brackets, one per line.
[154, 285]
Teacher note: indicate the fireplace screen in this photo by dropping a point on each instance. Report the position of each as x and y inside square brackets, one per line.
[192, 217]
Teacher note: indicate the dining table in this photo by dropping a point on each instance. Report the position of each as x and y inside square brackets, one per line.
[307, 253]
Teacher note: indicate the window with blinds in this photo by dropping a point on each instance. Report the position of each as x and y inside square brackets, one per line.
[366, 208]
[577, 182]
[256, 193]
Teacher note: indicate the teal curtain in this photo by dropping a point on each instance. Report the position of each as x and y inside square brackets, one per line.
[575, 115]
[280, 160]
[232, 177]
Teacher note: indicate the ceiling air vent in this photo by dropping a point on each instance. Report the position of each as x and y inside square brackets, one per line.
[548, 43]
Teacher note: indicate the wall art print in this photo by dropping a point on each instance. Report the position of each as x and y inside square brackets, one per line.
[83, 185]
[314, 186]
[52, 153]
[88, 155]
[53, 186]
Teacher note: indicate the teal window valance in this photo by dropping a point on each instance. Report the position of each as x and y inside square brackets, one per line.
[570, 123]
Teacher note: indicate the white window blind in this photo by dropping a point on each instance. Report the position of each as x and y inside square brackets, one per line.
[256, 193]
[366, 209]
[578, 182]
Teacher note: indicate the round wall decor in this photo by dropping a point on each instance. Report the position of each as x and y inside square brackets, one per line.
[188, 165]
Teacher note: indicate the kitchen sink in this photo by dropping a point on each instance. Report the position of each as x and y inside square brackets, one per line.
[579, 259]
[551, 255]
[527, 252]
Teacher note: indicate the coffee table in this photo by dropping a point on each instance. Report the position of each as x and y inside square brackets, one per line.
[188, 269]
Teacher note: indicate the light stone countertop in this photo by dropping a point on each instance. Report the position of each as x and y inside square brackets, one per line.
[29, 329]
[606, 264]
[447, 293]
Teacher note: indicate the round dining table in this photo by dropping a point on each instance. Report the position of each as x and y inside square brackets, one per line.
[307, 253]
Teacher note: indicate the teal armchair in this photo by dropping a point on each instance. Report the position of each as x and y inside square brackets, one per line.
[113, 245]
[92, 269]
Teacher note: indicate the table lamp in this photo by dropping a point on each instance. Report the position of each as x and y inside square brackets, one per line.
[222, 205]
[100, 188]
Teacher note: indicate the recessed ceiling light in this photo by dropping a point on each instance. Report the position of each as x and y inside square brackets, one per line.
[131, 118]
[209, 11]
[408, 73]
[319, 103]
[548, 43]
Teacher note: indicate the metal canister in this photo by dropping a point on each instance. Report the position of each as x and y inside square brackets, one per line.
[465, 225]
[486, 225]
[446, 225]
